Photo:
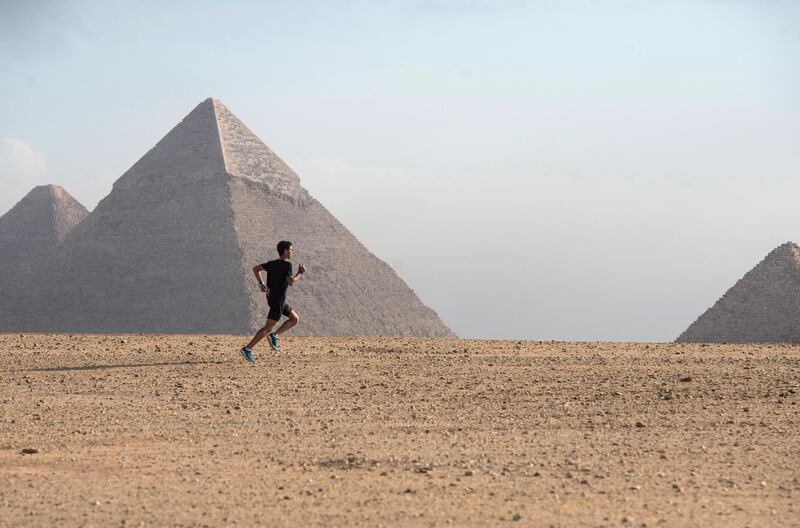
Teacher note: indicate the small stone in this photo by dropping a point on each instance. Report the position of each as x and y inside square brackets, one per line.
[686, 379]
[640, 425]
[677, 488]
[516, 517]
[468, 473]
[29, 451]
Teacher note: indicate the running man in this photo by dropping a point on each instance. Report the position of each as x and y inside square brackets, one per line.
[279, 278]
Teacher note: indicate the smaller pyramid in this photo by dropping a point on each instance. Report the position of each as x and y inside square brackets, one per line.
[29, 233]
[762, 307]
[41, 220]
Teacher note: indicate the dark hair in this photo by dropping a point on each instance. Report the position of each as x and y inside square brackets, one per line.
[283, 245]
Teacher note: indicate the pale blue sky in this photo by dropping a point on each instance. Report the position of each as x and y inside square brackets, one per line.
[619, 164]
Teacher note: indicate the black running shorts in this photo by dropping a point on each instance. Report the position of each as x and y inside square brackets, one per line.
[278, 308]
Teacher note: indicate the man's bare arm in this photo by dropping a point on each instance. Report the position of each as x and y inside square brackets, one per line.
[300, 270]
[257, 272]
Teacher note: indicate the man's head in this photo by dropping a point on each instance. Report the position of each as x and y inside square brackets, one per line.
[285, 249]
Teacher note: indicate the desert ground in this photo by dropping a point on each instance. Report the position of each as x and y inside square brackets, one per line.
[155, 430]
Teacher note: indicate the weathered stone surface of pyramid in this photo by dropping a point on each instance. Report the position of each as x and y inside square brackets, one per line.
[171, 248]
[762, 307]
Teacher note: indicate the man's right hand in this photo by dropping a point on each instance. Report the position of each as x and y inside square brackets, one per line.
[262, 287]
[301, 269]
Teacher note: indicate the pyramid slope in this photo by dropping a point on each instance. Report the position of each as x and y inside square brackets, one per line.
[171, 247]
[246, 156]
[762, 307]
[348, 291]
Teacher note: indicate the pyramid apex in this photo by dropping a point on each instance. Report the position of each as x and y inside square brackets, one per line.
[44, 192]
[47, 187]
[50, 188]
[211, 141]
[213, 101]
[787, 248]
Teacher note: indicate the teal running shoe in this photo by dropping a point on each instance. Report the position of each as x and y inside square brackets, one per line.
[248, 354]
[273, 340]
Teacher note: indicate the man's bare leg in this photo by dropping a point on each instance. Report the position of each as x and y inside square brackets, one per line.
[289, 323]
[262, 333]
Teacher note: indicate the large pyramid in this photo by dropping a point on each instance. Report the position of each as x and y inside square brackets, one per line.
[762, 307]
[171, 248]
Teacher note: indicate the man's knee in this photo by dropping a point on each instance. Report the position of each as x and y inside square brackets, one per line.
[294, 317]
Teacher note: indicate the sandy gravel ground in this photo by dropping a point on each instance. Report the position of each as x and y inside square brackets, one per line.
[179, 431]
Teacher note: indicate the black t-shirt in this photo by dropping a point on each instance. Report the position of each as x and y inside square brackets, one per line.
[278, 273]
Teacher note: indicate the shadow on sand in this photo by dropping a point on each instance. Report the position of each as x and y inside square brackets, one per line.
[131, 365]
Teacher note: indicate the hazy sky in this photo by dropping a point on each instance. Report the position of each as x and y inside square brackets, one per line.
[545, 170]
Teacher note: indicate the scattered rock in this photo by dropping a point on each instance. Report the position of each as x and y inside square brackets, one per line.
[640, 425]
[29, 451]
[686, 379]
